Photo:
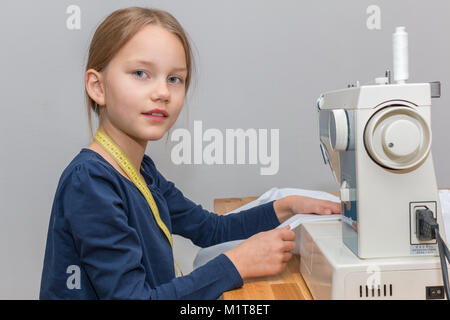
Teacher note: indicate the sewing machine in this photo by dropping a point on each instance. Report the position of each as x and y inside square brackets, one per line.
[377, 140]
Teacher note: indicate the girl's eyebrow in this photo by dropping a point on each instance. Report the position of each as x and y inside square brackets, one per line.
[151, 63]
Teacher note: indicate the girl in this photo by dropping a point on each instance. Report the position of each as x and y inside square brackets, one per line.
[113, 214]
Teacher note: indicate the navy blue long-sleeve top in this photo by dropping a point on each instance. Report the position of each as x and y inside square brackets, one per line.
[103, 241]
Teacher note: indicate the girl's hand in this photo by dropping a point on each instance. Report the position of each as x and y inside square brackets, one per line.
[265, 253]
[288, 206]
[301, 204]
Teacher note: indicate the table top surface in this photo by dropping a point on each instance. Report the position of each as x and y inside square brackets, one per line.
[287, 285]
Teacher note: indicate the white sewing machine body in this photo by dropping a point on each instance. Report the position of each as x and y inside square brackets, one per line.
[379, 202]
[373, 253]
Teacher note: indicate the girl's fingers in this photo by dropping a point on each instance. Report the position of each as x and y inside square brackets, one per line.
[287, 235]
[330, 208]
[288, 246]
[286, 256]
[336, 207]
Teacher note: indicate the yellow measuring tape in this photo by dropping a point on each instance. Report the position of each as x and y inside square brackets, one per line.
[122, 160]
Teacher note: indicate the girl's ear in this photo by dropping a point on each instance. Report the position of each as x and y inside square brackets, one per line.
[94, 86]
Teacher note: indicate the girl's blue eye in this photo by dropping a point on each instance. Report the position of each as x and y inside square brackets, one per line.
[175, 80]
[139, 73]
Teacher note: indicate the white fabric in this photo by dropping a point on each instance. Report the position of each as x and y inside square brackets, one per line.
[206, 254]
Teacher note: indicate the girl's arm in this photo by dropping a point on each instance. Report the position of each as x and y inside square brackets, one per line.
[205, 228]
[111, 253]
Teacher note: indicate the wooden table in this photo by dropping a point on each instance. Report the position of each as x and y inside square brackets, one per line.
[287, 285]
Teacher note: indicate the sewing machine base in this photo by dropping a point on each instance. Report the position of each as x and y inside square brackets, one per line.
[332, 271]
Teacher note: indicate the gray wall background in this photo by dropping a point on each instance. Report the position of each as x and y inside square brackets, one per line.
[261, 64]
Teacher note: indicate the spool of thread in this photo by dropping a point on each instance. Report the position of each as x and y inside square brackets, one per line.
[400, 50]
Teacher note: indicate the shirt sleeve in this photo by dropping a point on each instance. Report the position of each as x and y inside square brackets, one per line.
[205, 228]
[110, 250]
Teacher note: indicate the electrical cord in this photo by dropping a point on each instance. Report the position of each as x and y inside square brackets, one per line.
[443, 253]
[428, 229]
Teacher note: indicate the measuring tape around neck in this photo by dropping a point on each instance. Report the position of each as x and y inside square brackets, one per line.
[122, 160]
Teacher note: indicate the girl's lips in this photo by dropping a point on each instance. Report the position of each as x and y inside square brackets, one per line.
[157, 110]
[155, 118]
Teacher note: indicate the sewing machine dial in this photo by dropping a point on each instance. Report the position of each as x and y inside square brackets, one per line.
[398, 138]
[338, 130]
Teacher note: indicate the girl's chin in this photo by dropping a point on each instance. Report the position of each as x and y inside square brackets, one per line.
[154, 136]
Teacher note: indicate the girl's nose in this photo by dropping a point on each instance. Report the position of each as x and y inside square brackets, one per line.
[161, 91]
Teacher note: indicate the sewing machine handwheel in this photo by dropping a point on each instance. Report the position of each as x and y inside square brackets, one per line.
[398, 138]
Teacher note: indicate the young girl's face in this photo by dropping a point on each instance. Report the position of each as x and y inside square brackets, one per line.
[148, 73]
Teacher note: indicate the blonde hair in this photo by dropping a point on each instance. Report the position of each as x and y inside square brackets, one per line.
[117, 29]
